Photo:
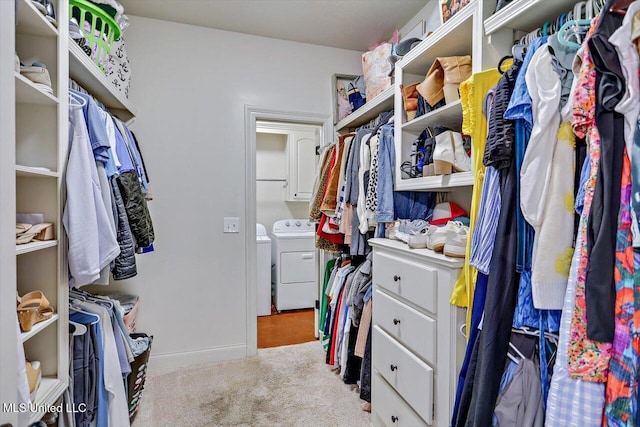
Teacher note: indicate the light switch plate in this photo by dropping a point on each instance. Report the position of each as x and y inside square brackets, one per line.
[231, 225]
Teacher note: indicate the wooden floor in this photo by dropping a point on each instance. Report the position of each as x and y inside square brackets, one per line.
[285, 328]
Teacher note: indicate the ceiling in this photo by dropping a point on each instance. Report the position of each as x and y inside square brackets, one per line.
[346, 24]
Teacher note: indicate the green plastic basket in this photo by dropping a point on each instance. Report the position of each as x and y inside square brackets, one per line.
[98, 27]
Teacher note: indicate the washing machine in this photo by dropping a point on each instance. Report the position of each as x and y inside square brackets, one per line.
[263, 292]
[293, 259]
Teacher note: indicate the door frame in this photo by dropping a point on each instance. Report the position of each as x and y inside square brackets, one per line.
[253, 114]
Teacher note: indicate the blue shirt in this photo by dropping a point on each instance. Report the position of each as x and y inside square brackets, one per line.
[520, 103]
[96, 127]
[126, 164]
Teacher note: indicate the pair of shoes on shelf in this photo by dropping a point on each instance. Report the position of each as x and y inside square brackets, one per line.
[443, 79]
[449, 154]
[33, 308]
[47, 9]
[450, 239]
[405, 228]
[34, 377]
[39, 75]
[26, 233]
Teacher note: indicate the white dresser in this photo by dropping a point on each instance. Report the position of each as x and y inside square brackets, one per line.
[417, 346]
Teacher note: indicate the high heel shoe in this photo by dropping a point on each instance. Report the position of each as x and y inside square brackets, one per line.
[443, 154]
[462, 161]
[410, 98]
[443, 79]
[34, 377]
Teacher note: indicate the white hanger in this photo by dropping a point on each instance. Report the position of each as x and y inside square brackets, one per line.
[76, 101]
[80, 329]
[96, 318]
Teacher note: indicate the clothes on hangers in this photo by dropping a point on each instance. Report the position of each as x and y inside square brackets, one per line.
[347, 322]
[116, 211]
[92, 243]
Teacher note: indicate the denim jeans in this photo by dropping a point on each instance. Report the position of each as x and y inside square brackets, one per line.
[386, 165]
[413, 204]
[524, 229]
[85, 369]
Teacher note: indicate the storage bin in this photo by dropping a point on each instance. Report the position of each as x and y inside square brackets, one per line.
[130, 318]
[98, 27]
[137, 378]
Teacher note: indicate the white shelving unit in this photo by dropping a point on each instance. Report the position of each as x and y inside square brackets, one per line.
[31, 21]
[35, 246]
[28, 93]
[33, 154]
[34, 132]
[449, 115]
[84, 71]
[48, 393]
[35, 172]
[454, 38]
[370, 110]
[526, 15]
[520, 17]
[38, 327]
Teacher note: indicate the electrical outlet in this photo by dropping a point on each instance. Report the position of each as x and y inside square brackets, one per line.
[231, 225]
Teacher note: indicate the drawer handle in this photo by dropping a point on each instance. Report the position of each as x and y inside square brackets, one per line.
[393, 367]
[394, 418]
[396, 278]
[396, 321]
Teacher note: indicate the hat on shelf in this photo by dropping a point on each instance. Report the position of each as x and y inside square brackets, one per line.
[445, 212]
[403, 47]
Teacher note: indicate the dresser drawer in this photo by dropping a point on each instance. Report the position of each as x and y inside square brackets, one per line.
[408, 375]
[412, 328]
[414, 282]
[388, 408]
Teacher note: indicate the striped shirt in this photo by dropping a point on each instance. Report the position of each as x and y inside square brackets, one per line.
[484, 232]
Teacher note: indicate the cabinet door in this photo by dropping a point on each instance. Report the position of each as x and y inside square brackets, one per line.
[302, 163]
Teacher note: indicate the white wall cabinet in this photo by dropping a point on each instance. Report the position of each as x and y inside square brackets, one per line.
[301, 157]
[302, 161]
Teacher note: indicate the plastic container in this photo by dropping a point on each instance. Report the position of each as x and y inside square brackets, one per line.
[98, 27]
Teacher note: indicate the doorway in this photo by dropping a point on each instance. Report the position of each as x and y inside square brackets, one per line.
[278, 182]
[285, 165]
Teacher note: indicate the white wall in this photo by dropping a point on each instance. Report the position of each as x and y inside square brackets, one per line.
[190, 87]
[272, 163]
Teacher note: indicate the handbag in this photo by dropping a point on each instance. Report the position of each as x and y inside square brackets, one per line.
[376, 68]
[355, 97]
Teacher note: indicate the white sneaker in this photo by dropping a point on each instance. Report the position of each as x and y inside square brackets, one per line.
[456, 244]
[408, 228]
[390, 232]
[420, 239]
[440, 235]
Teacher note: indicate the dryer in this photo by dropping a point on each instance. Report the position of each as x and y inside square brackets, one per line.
[293, 257]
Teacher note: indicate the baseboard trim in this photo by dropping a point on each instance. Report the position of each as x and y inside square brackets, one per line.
[171, 361]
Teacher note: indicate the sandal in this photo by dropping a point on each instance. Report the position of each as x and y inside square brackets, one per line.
[33, 308]
[42, 231]
[34, 377]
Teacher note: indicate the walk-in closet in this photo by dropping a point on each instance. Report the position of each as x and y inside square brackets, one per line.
[328, 213]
